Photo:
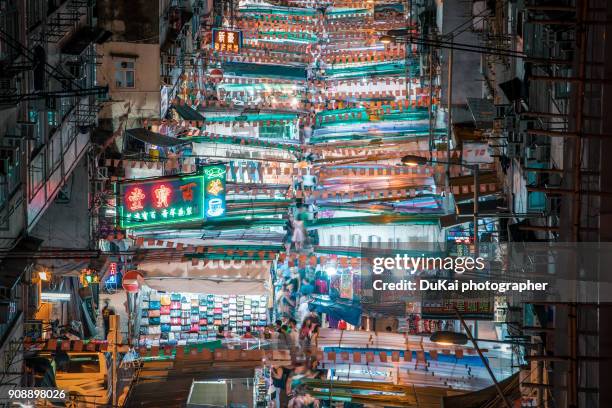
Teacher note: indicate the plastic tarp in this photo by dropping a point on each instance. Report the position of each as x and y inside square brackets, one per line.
[346, 310]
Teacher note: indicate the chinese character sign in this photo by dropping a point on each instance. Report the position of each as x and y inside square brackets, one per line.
[227, 40]
[214, 202]
[162, 201]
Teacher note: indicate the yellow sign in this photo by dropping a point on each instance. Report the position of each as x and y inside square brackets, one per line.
[227, 40]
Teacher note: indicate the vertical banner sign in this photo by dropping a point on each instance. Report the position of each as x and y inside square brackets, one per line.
[227, 40]
[214, 201]
[167, 200]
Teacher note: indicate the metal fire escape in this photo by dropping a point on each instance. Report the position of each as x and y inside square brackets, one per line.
[57, 108]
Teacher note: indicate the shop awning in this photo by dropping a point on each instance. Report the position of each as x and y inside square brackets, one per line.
[211, 277]
[188, 113]
[207, 286]
[157, 139]
[485, 396]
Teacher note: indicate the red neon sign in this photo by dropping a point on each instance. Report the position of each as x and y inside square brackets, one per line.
[187, 191]
[162, 196]
[135, 199]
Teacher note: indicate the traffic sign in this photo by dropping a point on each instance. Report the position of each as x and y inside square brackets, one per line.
[132, 281]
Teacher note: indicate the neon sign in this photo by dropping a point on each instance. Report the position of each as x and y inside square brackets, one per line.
[162, 195]
[168, 200]
[214, 202]
[227, 40]
[135, 199]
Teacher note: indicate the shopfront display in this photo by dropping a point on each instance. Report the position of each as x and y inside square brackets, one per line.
[187, 318]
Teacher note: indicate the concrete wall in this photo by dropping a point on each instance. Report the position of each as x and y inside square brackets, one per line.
[142, 101]
[467, 80]
[65, 224]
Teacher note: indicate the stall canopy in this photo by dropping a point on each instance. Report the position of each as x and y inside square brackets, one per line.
[212, 277]
[188, 113]
[348, 311]
[209, 286]
[157, 139]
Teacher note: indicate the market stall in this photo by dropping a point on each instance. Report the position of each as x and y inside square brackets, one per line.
[180, 318]
[181, 303]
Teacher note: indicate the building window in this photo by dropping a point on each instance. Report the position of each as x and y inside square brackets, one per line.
[124, 74]
[355, 240]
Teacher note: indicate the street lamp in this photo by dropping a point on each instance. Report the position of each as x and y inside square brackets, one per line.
[413, 161]
[447, 337]
[387, 39]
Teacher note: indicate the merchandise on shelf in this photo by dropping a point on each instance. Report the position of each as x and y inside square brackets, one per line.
[183, 318]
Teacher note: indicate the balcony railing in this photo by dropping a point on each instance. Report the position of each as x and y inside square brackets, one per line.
[54, 162]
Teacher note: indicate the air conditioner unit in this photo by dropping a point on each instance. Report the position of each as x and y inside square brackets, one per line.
[514, 137]
[553, 205]
[501, 111]
[539, 153]
[525, 124]
[514, 150]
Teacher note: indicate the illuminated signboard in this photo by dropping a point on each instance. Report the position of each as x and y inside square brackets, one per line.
[161, 201]
[214, 201]
[227, 40]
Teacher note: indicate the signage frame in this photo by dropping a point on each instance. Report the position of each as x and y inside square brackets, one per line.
[218, 40]
[147, 186]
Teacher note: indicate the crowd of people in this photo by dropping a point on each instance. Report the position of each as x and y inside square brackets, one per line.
[301, 340]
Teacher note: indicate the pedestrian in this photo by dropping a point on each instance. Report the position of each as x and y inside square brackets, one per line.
[288, 234]
[284, 340]
[299, 233]
[287, 301]
[247, 333]
[107, 312]
[305, 332]
[294, 336]
[220, 332]
[314, 335]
